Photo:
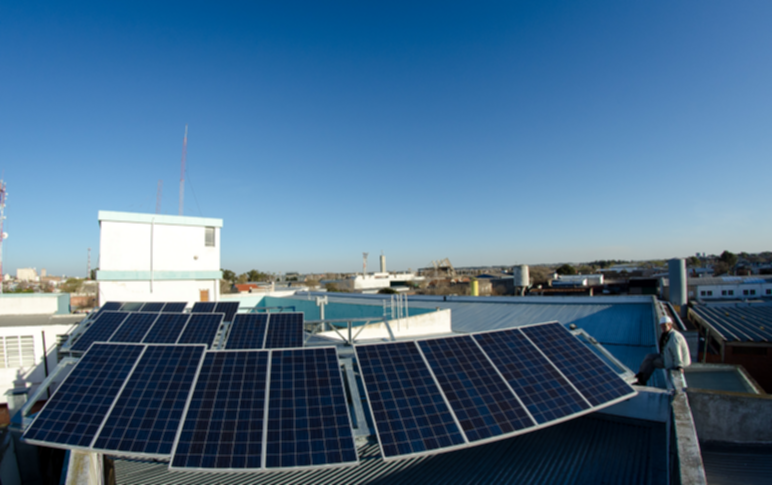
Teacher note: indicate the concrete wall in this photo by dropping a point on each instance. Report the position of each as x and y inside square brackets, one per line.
[34, 303]
[731, 417]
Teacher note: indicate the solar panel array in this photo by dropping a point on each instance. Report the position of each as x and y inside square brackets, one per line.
[229, 308]
[260, 409]
[100, 330]
[201, 329]
[266, 330]
[436, 395]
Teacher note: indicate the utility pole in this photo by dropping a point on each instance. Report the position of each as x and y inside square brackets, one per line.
[158, 197]
[88, 270]
[3, 235]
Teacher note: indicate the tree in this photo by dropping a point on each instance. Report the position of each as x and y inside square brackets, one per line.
[694, 261]
[255, 275]
[229, 275]
[72, 285]
[243, 278]
[730, 259]
[565, 269]
[720, 268]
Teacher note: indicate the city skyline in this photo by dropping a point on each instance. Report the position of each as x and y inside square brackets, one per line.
[502, 133]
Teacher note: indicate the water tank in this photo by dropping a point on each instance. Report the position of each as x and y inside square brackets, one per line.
[383, 263]
[677, 273]
[521, 276]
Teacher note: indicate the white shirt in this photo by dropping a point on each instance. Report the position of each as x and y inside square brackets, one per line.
[676, 352]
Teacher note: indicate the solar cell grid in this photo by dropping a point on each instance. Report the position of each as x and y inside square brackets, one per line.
[591, 376]
[152, 306]
[308, 420]
[483, 403]
[538, 384]
[134, 327]
[72, 416]
[229, 308]
[223, 424]
[100, 330]
[166, 329]
[201, 329]
[147, 413]
[203, 307]
[247, 331]
[174, 307]
[112, 306]
[409, 410]
[285, 330]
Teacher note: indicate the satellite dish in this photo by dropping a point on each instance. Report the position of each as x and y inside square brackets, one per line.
[5, 235]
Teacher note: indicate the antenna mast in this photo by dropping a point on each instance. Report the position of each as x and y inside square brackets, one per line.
[158, 197]
[182, 170]
[2, 232]
[364, 263]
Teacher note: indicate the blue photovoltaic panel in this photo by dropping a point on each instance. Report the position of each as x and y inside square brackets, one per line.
[134, 327]
[132, 306]
[229, 308]
[203, 307]
[174, 307]
[538, 384]
[308, 420]
[589, 374]
[409, 411]
[285, 331]
[483, 403]
[71, 418]
[247, 331]
[147, 413]
[153, 306]
[167, 328]
[112, 306]
[100, 330]
[201, 329]
[223, 424]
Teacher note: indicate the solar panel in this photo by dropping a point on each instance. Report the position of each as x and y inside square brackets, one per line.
[100, 330]
[229, 308]
[201, 329]
[203, 307]
[148, 411]
[308, 420]
[72, 416]
[174, 307]
[588, 373]
[112, 306]
[134, 327]
[544, 391]
[247, 331]
[167, 328]
[285, 330]
[153, 306]
[483, 403]
[132, 306]
[224, 420]
[410, 412]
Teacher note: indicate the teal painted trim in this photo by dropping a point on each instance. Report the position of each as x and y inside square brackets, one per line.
[157, 275]
[158, 219]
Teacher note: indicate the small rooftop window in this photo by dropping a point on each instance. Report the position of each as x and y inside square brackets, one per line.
[209, 237]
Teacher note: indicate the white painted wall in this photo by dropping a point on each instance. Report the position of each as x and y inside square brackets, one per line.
[737, 291]
[126, 246]
[33, 374]
[432, 323]
[168, 290]
[28, 304]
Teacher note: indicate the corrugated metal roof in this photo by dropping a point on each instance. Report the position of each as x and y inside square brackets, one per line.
[596, 448]
[738, 324]
[729, 280]
[731, 464]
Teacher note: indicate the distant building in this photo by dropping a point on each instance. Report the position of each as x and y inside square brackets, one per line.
[152, 257]
[27, 274]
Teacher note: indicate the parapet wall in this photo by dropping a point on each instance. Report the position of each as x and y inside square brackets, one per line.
[733, 417]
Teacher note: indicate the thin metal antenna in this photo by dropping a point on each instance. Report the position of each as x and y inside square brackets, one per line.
[182, 169]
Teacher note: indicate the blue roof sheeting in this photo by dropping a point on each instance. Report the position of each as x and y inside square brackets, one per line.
[738, 324]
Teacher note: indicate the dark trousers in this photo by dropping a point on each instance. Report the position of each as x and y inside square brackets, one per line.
[650, 362]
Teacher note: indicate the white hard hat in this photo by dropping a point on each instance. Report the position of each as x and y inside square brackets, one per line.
[665, 319]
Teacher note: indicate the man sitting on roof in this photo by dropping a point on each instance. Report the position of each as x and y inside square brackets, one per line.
[674, 353]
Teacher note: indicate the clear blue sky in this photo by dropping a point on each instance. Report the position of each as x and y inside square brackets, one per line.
[485, 132]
